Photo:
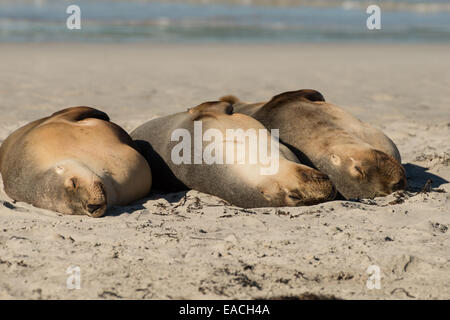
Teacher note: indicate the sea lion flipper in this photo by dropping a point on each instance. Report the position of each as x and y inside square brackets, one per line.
[311, 95]
[80, 113]
[230, 99]
[211, 108]
[293, 96]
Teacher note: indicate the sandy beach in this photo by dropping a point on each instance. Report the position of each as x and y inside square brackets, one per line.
[191, 245]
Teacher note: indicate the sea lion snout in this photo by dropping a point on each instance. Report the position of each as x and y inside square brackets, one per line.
[313, 186]
[96, 204]
[94, 207]
[392, 175]
[369, 173]
[86, 194]
[96, 210]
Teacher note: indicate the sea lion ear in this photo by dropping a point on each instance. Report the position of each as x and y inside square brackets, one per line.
[335, 160]
[60, 170]
[80, 113]
[210, 109]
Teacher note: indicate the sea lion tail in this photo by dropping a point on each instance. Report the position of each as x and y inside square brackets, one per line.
[230, 99]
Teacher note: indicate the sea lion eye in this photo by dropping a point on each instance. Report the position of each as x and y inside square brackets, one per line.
[72, 183]
[295, 197]
[357, 171]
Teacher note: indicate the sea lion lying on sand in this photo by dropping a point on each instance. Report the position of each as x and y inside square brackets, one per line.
[360, 160]
[239, 182]
[75, 162]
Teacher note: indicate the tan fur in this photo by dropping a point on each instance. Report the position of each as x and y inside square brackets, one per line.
[81, 147]
[293, 185]
[241, 184]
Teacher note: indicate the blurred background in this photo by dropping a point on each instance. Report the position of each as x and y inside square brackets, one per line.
[237, 21]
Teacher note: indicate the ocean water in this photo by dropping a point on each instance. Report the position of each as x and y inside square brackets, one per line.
[248, 21]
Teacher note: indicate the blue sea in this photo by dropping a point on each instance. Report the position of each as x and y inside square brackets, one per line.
[243, 21]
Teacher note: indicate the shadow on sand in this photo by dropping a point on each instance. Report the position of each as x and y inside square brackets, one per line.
[173, 198]
[418, 176]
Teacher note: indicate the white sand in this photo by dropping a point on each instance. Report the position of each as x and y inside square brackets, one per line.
[192, 245]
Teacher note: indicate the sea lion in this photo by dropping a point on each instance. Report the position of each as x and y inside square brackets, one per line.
[241, 183]
[361, 161]
[74, 162]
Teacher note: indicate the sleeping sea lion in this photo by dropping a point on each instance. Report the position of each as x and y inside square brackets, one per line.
[241, 181]
[74, 162]
[361, 161]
